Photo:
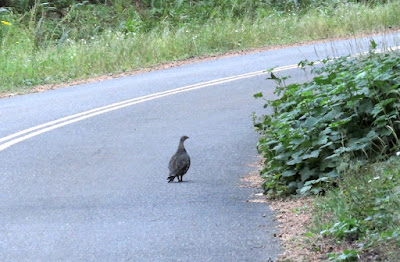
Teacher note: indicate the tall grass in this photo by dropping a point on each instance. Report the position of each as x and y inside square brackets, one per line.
[25, 63]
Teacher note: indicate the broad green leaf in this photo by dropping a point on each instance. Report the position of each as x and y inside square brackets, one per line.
[388, 101]
[361, 75]
[327, 164]
[305, 189]
[340, 122]
[294, 161]
[283, 156]
[366, 107]
[297, 141]
[342, 149]
[322, 140]
[377, 109]
[279, 148]
[289, 173]
[306, 173]
[332, 156]
[333, 174]
[310, 122]
[313, 154]
[348, 255]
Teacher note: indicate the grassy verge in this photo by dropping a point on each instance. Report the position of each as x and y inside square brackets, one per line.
[357, 221]
[24, 63]
[364, 211]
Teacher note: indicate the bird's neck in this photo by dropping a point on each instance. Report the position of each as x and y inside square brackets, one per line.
[181, 147]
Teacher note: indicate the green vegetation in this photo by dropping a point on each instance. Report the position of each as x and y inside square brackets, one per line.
[338, 136]
[364, 208]
[349, 113]
[44, 42]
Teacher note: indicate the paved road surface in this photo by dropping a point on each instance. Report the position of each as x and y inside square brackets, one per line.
[92, 186]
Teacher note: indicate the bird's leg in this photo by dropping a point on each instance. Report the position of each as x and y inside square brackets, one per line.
[180, 178]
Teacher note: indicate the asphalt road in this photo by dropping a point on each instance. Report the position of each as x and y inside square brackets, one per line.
[83, 169]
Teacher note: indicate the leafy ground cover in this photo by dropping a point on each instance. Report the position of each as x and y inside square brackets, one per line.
[348, 114]
[358, 220]
[337, 136]
[59, 41]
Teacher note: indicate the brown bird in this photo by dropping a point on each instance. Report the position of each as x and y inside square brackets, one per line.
[179, 163]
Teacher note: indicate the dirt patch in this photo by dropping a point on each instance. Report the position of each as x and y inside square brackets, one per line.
[191, 60]
[253, 179]
[294, 215]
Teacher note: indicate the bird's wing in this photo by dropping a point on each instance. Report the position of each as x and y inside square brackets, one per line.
[188, 164]
[172, 161]
[179, 164]
[184, 165]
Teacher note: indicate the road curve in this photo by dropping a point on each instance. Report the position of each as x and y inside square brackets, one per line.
[83, 168]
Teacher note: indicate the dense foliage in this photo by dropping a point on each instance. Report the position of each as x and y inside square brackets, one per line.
[60, 19]
[349, 113]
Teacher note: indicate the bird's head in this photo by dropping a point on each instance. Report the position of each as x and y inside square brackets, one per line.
[183, 138]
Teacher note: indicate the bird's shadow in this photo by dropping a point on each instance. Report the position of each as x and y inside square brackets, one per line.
[185, 182]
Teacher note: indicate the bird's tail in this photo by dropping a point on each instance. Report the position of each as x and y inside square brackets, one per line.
[171, 178]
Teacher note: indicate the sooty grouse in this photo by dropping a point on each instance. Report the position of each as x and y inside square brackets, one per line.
[179, 163]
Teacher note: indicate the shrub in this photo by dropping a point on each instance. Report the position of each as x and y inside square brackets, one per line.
[349, 112]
